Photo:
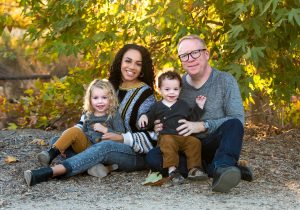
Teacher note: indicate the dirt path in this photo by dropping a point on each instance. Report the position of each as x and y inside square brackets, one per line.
[275, 160]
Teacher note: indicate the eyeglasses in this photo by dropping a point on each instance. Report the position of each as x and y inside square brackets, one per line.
[194, 54]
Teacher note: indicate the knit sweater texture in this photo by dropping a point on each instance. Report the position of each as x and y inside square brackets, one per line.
[113, 124]
[223, 100]
[133, 103]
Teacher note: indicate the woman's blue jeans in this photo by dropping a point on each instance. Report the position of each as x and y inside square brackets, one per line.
[105, 152]
[221, 148]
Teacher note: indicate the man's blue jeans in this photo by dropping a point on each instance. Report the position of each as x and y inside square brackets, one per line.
[221, 148]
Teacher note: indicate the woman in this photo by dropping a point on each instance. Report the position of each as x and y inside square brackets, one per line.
[132, 75]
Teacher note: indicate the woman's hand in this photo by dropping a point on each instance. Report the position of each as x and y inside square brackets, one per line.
[100, 128]
[113, 137]
[187, 128]
[143, 121]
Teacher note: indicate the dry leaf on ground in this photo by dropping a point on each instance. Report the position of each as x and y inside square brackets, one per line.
[10, 159]
[39, 142]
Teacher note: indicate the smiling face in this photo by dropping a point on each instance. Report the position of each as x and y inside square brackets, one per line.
[169, 90]
[100, 101]
[131, 66]
[194, 67]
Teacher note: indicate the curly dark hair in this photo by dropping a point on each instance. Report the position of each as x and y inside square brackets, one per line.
[147, 66]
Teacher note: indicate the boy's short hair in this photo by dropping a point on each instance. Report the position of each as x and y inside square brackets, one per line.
[169, 75]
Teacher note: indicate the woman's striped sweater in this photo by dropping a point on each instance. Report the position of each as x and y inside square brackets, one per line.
[133, 103]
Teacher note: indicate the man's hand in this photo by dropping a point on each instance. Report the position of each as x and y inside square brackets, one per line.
[100, 128]
[187, 128]
[113, 137]
[158, 126]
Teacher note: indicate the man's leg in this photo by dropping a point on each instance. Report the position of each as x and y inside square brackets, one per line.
[224, 149]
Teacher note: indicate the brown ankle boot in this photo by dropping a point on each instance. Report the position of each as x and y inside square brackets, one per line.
[33, 177]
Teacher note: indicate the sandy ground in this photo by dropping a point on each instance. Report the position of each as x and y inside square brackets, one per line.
[274, 158]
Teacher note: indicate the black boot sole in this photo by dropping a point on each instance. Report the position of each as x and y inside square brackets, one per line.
[227, 180]
[44, 158]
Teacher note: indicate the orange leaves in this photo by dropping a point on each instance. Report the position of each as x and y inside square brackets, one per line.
[10, 159]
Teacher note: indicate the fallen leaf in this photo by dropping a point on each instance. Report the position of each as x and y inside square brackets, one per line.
[10, 159]
[152, 178]
[39, 142]
[243, 163]
[159, 182]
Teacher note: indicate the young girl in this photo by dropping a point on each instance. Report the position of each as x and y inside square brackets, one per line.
[100, 116]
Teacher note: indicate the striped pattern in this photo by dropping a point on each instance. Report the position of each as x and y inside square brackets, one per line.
[139, 142]
[133, 103]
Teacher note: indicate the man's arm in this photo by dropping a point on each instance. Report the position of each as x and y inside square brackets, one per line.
[223, 105]
[232, 105]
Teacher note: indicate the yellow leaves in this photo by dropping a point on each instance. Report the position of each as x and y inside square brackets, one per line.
[2, 100]
[29, 92]
[12, 126]
[248, 101]
[297, 105]
[40, 142]
[261, 84]
[10, 159]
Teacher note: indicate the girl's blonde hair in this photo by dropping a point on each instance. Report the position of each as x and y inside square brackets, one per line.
[111, 94]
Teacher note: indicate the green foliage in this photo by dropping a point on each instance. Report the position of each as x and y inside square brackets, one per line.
[250, 39]
[263, 42]
[12, 126]
[6, 51]
[5, 20]
[59, 100]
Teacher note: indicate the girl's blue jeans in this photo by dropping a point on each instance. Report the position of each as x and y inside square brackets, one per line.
[221, 148]
[105, 152]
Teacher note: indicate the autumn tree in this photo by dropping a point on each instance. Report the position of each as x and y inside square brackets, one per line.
[257, 41]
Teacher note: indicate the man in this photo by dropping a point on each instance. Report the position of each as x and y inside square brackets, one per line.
[220, 128]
